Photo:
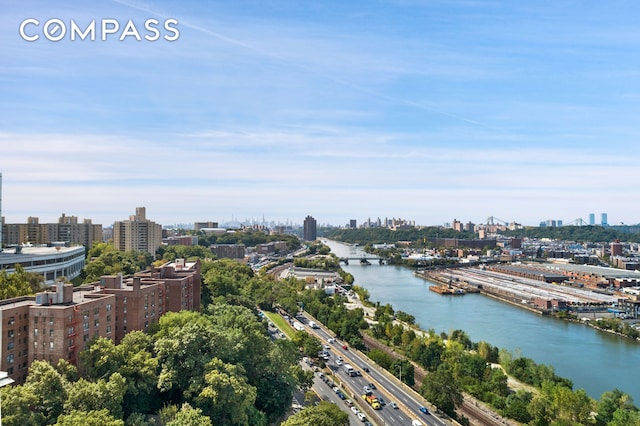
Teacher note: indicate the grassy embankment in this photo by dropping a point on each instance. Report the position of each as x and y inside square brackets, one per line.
[281, 323]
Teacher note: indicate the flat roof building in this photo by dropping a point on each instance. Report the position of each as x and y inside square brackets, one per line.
[59, 322]
[137, 233]
[50, 262]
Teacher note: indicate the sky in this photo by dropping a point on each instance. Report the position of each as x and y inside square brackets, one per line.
[426, 110]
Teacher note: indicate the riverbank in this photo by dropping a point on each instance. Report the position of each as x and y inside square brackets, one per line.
[561, 344]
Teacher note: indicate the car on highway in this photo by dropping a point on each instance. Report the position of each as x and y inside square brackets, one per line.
[393, 405]
[362, 417]
[355, 410]
[331, 340]
[382, 401]
[345, 347]
[341, 395]
[371, 385]
[424, 410]
[339, 362]
[365, 368]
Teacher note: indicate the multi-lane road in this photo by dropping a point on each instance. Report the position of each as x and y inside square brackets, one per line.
[387, 387]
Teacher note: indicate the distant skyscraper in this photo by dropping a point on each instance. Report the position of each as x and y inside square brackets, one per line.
[592, 219]
[310, 231]
[603, 219]
[352, 223]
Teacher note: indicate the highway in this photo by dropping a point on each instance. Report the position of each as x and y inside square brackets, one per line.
[387, 387]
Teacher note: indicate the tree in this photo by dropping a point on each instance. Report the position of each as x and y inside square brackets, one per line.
[609, 403]
[21, 407]
[189, 416]
[88, 418]
[324, 414]
[88, 396]
[50, 388]
[441, 390]
[226, 397]
[407, 369]
[19, 283]
[623, 417]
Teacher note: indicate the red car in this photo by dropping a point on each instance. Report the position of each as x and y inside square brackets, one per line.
[345, 347]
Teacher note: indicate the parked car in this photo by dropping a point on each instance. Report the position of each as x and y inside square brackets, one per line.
[355, 410]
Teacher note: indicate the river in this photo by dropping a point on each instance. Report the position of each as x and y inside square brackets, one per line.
[595, 361]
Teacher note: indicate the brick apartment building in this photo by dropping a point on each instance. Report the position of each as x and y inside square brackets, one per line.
[57, 323]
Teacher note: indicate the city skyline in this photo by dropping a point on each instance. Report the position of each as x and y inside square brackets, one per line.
[340, 110]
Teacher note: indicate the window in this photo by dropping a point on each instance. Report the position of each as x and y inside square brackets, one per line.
[108, 329]
[51, 332]
[35, 332]
[50, 320]
[10, 333]
[35, 344]
[86, 325]
[50, 346]
[96, 323]
[11, 321]
[10, 359]
[10, 346]
[108, 307]
[70, 331]
[108, 318]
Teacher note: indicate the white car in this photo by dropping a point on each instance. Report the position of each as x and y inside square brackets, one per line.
[339, 362]
[361, 416]
[355, 410]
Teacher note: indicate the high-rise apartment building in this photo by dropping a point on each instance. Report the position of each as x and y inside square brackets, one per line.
[138, 233]
[67, 230]
[310, 232]
[592, 219]
[603, 219]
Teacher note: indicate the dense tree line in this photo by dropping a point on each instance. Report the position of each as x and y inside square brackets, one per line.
[587, 233]
[104, 259]
[456, 364]
[418, 236]
[249, 238]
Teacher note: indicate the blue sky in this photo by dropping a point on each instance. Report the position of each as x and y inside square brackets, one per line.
[428, 110]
